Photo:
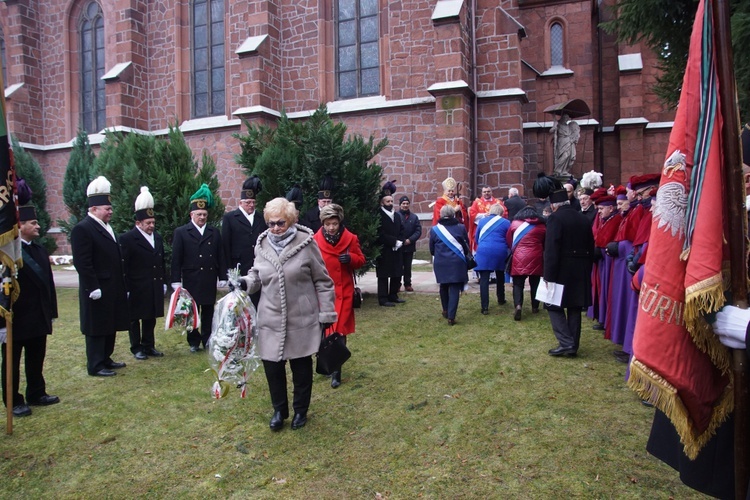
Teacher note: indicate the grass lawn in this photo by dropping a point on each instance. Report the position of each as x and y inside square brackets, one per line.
[478, 410]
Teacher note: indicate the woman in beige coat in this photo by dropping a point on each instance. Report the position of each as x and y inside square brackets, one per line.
[296, 300]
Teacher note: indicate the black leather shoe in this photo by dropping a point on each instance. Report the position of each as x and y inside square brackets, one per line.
[153, 352]
[139, 355]
[195, 348]
[398, 301]
[501, 302]
[335, 379]
[598, 326]
[534, 310]
[517, 315]
[104, 372]
[113, 365]
[388, 304]
[45, 400]
[277, 421]
[485, 312]
[299, 421]
[21, 410]
[563, 351]
[451, 322]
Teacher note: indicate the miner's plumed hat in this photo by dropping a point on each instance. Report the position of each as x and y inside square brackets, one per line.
[202, 199]
[144, 205]
[250, 188]
[326, 188]
[295, 196]
[545, 185]
[98, 192]
[388, 189]
[26, 210]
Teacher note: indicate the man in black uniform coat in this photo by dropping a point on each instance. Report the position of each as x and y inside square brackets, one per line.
[143, 253]
[389, 265]
[198, 262]
[240, 229]
[514, 203]
[568, 257]
[102, 295]
[311, 218]
[33, 312]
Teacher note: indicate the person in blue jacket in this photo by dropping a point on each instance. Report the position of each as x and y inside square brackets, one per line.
[492, 250]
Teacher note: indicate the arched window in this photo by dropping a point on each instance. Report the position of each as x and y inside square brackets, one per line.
[208, 58]
[357, 51]
[91, 51]
[556, 45]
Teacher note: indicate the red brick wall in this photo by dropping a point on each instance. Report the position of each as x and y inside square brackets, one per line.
[294, 70]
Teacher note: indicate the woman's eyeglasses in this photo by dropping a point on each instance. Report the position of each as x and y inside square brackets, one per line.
[277, 223]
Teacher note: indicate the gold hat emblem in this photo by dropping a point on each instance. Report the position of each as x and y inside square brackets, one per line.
[150, 212]
[200, 204]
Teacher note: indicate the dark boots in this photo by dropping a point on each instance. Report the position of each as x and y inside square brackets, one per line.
[336, 378]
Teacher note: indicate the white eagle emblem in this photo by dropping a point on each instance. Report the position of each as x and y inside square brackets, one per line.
[670, 206]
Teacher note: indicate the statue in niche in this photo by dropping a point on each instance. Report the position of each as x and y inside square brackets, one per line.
[565, 135]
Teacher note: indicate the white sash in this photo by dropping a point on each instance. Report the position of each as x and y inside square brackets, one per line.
[486, 228]
[450, 240]
[519, 232]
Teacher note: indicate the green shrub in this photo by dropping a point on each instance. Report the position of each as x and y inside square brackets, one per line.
[28, 169]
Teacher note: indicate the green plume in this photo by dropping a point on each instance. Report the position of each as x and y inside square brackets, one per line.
[204, 193]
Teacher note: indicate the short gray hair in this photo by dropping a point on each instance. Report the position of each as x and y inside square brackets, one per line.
[447, 211]
[513, 192]
[497, 209]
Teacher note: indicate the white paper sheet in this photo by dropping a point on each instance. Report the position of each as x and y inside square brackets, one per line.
[549, 293]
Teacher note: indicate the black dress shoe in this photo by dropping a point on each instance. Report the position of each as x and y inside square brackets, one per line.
[563, 351]
[104, 372]
[299, 421]
[517, 314]
[398, 301]
[21, 410]
[445, 314]
[501, 302]
[388, 304]
[139, 355]
[598, 326]
[45, 400]
[277, 421]
[485, 312]
[113, 365]
[195, 348]
[534, 310]
[335, 379]
[153, 352]
[451, 322]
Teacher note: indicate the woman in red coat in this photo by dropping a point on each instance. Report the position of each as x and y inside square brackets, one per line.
[526, 239]
[342, 255]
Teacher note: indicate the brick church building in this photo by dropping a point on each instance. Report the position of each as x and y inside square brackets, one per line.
[459, 87]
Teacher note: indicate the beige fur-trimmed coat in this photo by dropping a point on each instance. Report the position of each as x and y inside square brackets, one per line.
[297, 295]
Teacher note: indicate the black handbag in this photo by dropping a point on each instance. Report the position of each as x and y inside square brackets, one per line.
[357, 297]
[332, 353]
[470, 262]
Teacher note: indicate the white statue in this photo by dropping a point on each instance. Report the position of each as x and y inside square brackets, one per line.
[565, 135]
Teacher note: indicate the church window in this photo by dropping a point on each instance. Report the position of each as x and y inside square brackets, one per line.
[209, 89]
[357, 48]
[556, 45]
[91, 51]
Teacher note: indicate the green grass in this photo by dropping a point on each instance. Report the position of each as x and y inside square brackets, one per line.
[478, 410]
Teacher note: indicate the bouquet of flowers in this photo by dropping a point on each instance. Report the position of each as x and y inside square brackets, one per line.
[232, 351]
[183, 312]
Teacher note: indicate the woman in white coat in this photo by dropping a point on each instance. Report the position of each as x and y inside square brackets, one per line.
[296, 301]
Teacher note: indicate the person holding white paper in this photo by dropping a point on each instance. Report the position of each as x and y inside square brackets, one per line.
[568, 257]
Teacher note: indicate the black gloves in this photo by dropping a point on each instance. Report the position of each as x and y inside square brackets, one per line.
[345, 258]
[613, 249]
[632, 262]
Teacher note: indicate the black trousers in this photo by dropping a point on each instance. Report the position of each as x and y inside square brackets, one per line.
[99, 351]
[34, 350]
[142, 334]
[566, 325]
[407, 257]
[518, 284]
[302, 380]
[195, 338]
[484, 287]
[388, 289]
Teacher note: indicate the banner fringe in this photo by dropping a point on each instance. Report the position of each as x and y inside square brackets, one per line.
[651, 387]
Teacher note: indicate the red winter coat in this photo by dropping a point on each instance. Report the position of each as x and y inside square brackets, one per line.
[528, 256]
[342, 275]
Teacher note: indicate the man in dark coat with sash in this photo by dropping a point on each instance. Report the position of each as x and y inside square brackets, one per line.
[102, 293]
[389, 264]
[198, 262]
[143, 253]
[568, 257]
[33, 313]
[240, 229]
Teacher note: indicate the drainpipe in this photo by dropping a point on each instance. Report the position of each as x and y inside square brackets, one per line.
[600, 57]
[475, 102]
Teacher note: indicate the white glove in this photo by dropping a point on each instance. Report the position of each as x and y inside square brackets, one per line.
[127, 294]
[165, 289]
[177, 285]
[3, 335]
[222, 283]
[96, 294]
[398, 245]
[731, 326]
